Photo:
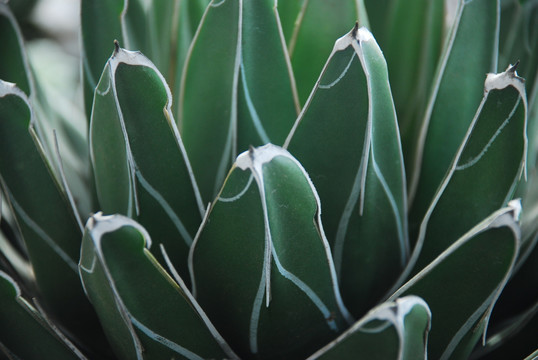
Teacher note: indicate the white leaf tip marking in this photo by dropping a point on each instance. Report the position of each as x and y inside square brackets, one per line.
[507, 78]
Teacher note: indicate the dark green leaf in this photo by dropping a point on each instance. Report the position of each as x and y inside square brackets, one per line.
[276, 277]
[251, 90]
[25, 334]
[412, 47]
[392, 330]
[42, 211]
[319, 23]
[144, 312]
[140, 166]
[101, 24]
[456, 93]
[14, 64]
[485, 171]
[462, 284]
[347, 134]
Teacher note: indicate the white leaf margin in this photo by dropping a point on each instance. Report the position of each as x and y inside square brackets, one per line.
[136, 58]
[507, 216]
[393, 312]
[99, 225]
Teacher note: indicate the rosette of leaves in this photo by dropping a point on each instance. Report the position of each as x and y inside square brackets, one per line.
[254, 180]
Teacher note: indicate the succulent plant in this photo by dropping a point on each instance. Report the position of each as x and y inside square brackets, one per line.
[255, 180]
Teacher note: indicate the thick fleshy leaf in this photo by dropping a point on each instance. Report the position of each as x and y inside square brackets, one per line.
[261, 266]
[251, 91]
[101, 24]
[146, 315]
[462, 284]
[318, 24]
[42, 211]
[392, 330]
[412, 46]
[485, 171]
[14, 65]
[25, 334]
[455, 95]
[140, 166]
[347, 134]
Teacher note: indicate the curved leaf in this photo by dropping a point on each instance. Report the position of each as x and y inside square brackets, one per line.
[463, 283]
[140, 165]
[144, 312]
[251, 89]
[485, 171]
[276, 278]
[456, 93]
[317, 25]
[25, 334]
[42, 211]
[347, 134]
[392, 330]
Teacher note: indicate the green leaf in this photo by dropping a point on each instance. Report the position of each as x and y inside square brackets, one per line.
[412, 46]
[392, 330]
[455, 95]
[485, 171]
[462, 284]
[347, 134]
[42, 211]
[146, 315]
[277, 278]
[140, 166]
[25, 333]
[319, 23]
[251, 91]
[13, 68]
[101, 24]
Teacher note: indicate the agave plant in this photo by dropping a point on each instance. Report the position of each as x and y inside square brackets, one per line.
[253, 179]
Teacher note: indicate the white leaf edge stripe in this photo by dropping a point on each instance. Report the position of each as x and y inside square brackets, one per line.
[438, 78]
[393, 313]
[40, 317]
[357, 38]
[135, 58]
[7, 88]
[493, 82]
[229, 151]
[507, 216]
[99, 225]
[254, 160]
